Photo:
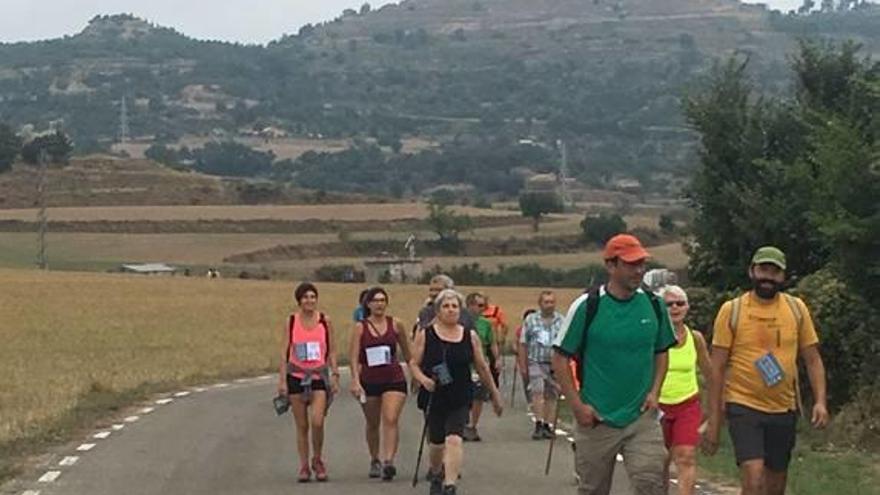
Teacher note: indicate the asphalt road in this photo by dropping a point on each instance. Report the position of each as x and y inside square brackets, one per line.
[227, 440]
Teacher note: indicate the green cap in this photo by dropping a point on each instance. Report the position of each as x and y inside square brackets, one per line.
[769, 254]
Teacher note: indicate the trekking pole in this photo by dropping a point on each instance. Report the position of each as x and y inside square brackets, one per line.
[415, 480]
[553, 439]
[513, 382]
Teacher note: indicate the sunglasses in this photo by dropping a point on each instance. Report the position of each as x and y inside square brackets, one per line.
[680, 304]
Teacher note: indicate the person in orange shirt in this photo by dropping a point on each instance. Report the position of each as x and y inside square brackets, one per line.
[757, 340]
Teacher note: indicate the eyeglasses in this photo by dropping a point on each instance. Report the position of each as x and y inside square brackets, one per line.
[680, 304]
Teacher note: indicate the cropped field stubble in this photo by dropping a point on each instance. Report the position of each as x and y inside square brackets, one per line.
[68, 336]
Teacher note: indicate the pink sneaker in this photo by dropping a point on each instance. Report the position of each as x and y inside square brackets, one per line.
[320, 469]
[305, 474]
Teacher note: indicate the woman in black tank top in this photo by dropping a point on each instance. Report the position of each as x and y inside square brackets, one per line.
[442, 359]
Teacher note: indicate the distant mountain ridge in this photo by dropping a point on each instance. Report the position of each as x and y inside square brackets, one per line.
[606, 76]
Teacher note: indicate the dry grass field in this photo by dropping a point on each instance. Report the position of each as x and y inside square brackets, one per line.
[353, 212]
[67, 335]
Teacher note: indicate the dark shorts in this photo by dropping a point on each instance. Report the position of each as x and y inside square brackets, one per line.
[759, 435]
[294, 385]
[444, 422]
[482, 392]
[377, 389]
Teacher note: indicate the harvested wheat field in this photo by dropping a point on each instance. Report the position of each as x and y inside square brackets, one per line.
[68, 334]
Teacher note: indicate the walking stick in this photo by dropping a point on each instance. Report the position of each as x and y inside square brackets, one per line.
[415, 480]
[553, 439]
[513, 382]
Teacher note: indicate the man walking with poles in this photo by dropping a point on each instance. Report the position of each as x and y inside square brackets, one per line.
[757, 340]
[619, 335]
[535, 351]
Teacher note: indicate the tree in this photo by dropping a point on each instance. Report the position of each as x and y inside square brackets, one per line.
[10, 145]
[57, 147]
[535, 204]
[448, 225]
[365, 9]
[666, 224]
[599, 228]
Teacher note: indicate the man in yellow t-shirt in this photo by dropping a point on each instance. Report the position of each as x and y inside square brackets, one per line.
[757, 340]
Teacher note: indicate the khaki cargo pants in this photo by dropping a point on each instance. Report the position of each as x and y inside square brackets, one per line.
[643, 450]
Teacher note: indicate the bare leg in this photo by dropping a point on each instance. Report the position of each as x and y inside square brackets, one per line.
[301, 422]
[452, 459]
[392, 405]
[685, 458]
[476, 412]
[319, 412]
[775, 481]
[752, 476]
[372, 412]
[435, 457]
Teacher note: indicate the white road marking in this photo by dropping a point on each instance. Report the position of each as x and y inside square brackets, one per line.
[131, 419]
[147, 410]
[117, 427]
[182, 394]
[101, 435]
[162, 402]
[49, 477]
[68, 461]
[85, 447]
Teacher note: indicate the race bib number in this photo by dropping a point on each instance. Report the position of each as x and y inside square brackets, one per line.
[308, 351]
[770, 370]
[378, 356]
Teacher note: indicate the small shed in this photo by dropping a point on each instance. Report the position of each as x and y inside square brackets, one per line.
[148, 269]
[393, 269]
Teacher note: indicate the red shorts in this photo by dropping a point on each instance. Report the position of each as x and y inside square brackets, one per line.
[681, 422]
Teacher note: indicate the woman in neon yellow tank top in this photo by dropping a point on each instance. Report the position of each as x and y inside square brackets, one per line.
[680, 395]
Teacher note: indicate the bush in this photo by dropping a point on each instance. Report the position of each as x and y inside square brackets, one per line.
[339, 273]
[598, 228]
[526, 275]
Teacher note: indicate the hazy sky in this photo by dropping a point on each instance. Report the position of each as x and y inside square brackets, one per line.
[248, 21]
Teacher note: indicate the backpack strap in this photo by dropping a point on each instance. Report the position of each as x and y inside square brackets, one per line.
[592, 307]
[655, 303]
[799, 318]
[290, 320]
[733, 321]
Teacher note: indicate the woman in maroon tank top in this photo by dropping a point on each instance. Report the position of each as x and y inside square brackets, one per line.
[378, 381]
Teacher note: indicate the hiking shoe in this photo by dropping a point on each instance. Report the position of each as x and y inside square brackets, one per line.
[320, 469]
[538, 434]
[436, 484]
[467, 434]
[375, 468]
[388, 472]
[305, 474]
[549, 431]
[449, 490]
[475, 435]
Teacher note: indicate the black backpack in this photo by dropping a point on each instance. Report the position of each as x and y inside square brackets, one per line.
[593, 298]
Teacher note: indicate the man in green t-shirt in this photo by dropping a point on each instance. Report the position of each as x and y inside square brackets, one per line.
[619, 340]
[476, 303]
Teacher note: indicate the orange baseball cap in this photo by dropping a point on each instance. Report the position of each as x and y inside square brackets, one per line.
[626, 247]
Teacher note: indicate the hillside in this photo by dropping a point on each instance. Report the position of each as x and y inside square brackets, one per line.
[104, 181]
[606, 76]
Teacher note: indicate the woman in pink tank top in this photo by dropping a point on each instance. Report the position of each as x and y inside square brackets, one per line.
[378, 380]
[307, 373]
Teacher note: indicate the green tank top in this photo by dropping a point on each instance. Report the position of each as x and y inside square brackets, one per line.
[681, 378]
